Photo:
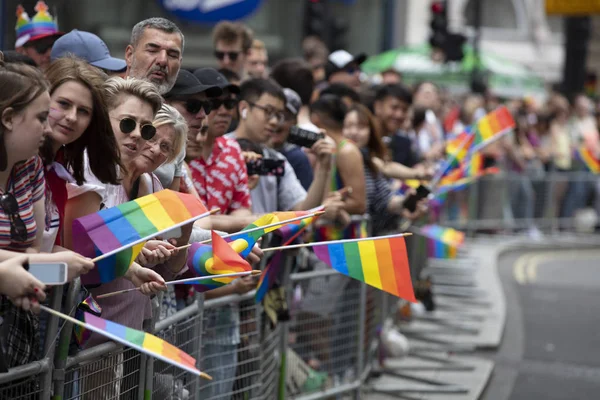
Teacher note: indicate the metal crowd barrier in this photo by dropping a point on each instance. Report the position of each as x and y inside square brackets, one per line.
[327, 347]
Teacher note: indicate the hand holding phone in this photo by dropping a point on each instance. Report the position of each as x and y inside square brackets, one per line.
[411, 201]
[52, 273]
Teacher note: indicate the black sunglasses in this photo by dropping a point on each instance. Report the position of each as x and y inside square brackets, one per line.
[193, 106]
[41, 46]
[233, 55]
[18, 230]
[127, 125]
[229, 104]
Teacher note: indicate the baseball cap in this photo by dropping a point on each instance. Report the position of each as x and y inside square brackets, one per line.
[339, 59]
[187, 84]
[89, 47]
[210, 76]
[292, 101]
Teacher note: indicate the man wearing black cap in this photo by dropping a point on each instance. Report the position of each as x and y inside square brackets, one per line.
[343, 67]
[191, 98]
[218, 168]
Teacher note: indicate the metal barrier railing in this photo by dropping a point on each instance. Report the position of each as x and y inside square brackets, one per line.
[327, 347]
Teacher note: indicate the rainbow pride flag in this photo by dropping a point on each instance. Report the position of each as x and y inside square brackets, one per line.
[587, 157]
[80, 333]
[128, 226]
[442, 242]
[218, 258]
[491, 126]
[288, 234]
[379, 262]
[458, 147]
[143, 342]
[268, 219]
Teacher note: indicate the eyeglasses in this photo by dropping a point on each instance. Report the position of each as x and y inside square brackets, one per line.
[41, 46]
[229, 103]
[232, 55]
[164, 146]
[18, 230]
[270, 112]
[193, 106]
[351, 69]
[127, 125]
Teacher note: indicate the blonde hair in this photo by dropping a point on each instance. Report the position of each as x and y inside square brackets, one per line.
[116, 87]
[258, 44]
[169, 115]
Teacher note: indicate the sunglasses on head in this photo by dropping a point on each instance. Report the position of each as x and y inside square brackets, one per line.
[229, 104]
[193, 106]
[127, 125]
[232, 55]
[18, 230]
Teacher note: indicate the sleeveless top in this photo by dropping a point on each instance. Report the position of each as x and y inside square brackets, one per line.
[355, 230]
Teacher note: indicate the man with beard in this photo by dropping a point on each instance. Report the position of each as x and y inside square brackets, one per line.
[154, 53]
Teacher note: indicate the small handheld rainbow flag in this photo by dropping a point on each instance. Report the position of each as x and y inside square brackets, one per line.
[267, 219]
[491, 127]
[588, 158]
[442, 242]
[458, 147]
[141, 341]
[379, 262]
[90, 305]
[123, 229]
[219, 258]
[288, 234]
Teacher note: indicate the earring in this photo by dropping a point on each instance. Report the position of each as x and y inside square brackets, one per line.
[244, 113]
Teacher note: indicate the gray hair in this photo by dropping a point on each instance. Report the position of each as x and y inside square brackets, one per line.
[161, 24]
[168, 115]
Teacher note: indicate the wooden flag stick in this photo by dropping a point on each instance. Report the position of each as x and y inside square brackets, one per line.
[298, 246]
[315, 214]
[84, 325]
[199, 278]
[115, 251]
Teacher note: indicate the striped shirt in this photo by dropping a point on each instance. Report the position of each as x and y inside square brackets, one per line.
[26, 183]
[21, 337]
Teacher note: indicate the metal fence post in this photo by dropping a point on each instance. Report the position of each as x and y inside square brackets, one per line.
[146, 372]
[287, 284]
[197, 344]
[362, 347]
[60, 359]
[49, 344]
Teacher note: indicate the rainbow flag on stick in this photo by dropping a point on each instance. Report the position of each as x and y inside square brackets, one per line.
[288, 234]
[119, 233]
[219, 258]
[141, 341]
[271, 222]
[442, 242]
[588, 158]
[379, 262]
[491, 127]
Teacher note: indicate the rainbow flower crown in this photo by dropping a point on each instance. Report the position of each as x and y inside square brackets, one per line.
[41, 25]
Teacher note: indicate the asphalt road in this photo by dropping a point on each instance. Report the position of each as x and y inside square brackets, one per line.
[551, 344]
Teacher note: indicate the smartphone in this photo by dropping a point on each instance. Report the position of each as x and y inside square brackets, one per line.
[49, 273]
[411, 202]
[303, 138]
[266, 167]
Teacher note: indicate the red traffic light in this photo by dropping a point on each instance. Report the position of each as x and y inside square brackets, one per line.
[437, 7]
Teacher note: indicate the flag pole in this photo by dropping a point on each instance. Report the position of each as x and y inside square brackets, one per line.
[298, 246]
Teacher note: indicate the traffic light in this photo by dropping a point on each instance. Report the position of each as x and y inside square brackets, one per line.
[316, 19]
[439, 25]
[451, 44]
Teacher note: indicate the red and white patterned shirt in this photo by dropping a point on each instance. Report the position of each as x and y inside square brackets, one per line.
[222, 179]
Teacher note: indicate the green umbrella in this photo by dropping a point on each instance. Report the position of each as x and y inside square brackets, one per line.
[505, 78]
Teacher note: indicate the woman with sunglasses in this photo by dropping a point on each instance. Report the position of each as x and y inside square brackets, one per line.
[80, 125]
